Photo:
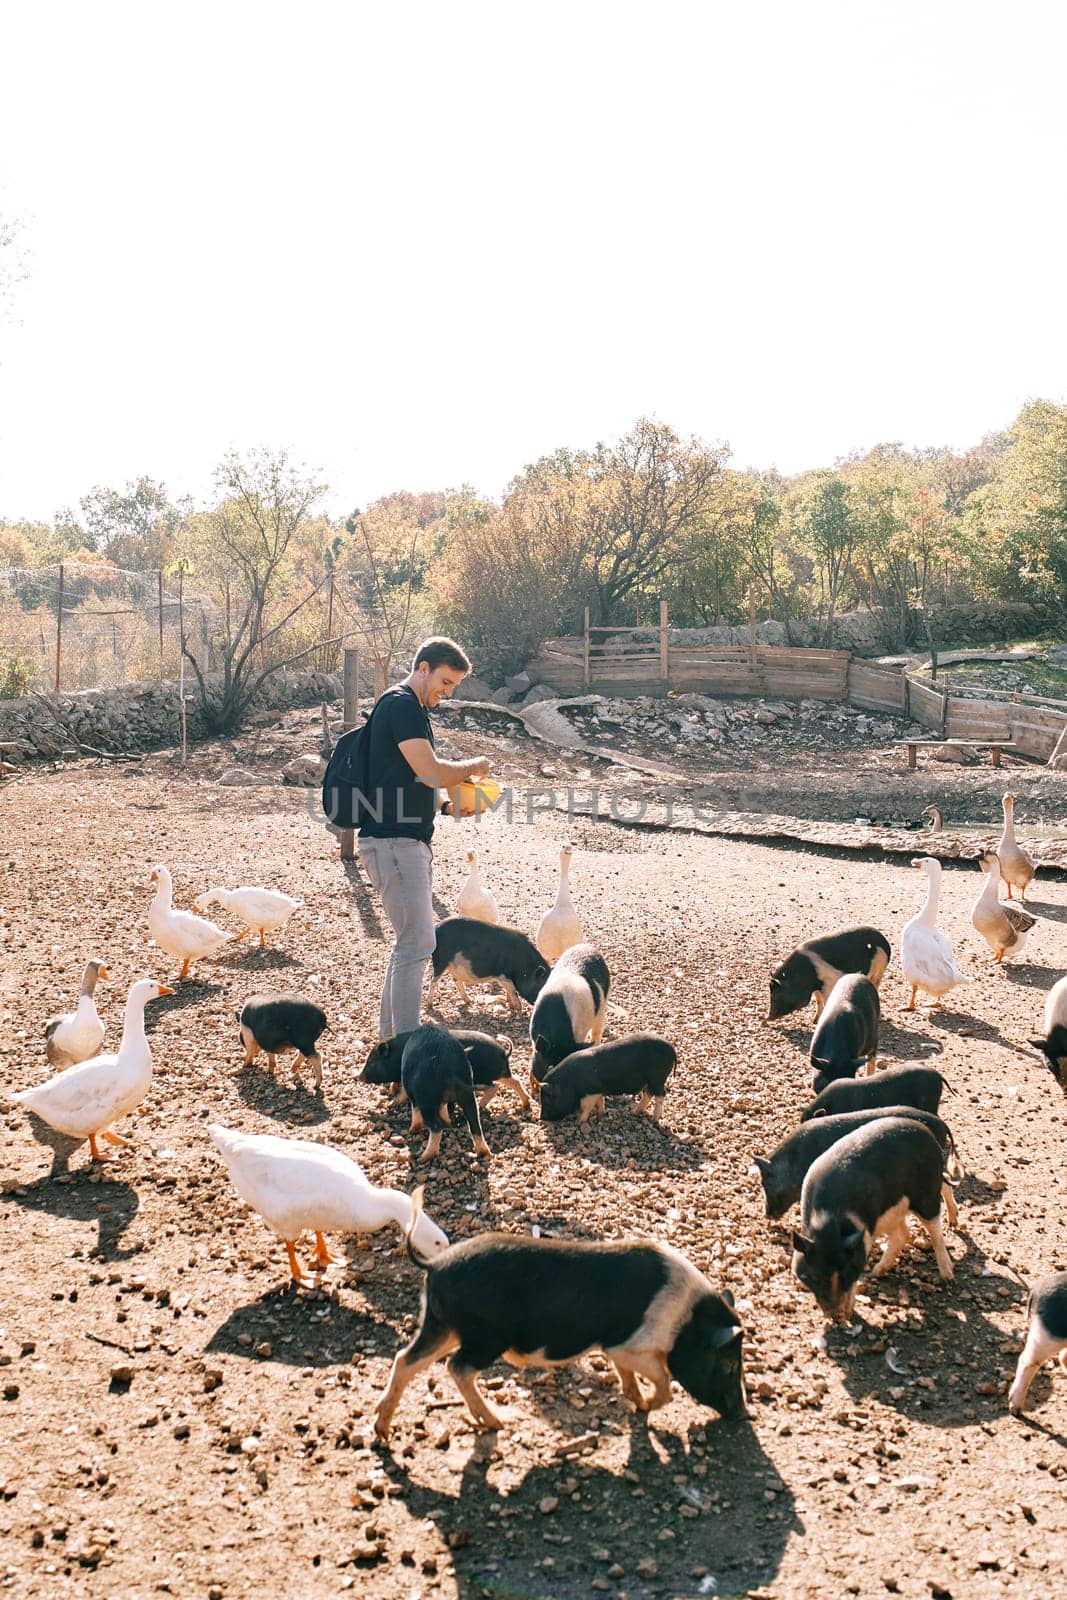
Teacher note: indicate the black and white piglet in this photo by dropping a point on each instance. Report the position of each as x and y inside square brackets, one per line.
[637, 1064]
[895, 1086]
[434, 1069]
[282, 1022]
[571, 1009]
[846, 1034]
[863, 1186]
[1046, 1335]
[814, 968]
[543, 1302]
[482, 952]
[1054, 1044]
[489, 1058]
[782, 1173]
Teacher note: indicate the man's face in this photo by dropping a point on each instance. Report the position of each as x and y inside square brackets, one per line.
[440, 684]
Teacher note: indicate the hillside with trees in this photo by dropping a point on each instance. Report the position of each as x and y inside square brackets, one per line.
[615, 528]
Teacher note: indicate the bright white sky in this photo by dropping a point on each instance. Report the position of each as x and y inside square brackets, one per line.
[420, 245]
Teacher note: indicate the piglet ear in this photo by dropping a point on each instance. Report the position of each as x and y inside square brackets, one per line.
[821, 1112]
[724, 1336]
[728, 1297]
[800, 1244]
[852, 1238]
[541, 1044]
[759, 1166]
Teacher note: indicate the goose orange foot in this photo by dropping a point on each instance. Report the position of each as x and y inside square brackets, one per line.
[323, 1257]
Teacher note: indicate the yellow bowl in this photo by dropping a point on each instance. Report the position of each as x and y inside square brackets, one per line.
[475, 797]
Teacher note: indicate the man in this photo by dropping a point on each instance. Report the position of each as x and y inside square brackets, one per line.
[405, 775]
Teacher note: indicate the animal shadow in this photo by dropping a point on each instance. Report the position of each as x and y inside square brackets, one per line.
[281, 1098]
[626, 1137]
[892, 1375]
[299, 1337]
[111, 1204]
[743, 1555]
[191, 991]
[1047, 910]
[1031, 977]
[253, 959]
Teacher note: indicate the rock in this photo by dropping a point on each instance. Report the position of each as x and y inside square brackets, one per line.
[472, 688]
[500, 697]
[539, 692]
[519, 683]
[241, 778]
[306, 771]
[765, 715]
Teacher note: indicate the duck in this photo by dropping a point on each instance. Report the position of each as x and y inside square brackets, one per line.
[86, 1099]
[298, 1187]
[935, 820]
[925, 953]
[1004, 928]
[474, 899]
[180, 933]
[261, 910]
[1016, 867]
[76, 1035]
[561, 927]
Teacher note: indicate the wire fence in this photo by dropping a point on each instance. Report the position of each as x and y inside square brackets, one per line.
[79, 626]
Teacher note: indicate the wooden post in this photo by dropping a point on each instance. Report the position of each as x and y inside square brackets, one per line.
[329, 629]
[351, 688]
[664, 651]
[350, 717]
[585, 649]
[1059, 747]
[160, 576]
[59, 628]
[944, 711]
[181, 662]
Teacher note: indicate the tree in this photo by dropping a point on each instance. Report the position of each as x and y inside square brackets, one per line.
[135, 528]
[381, 569]
[1017, 522]
[824, 520]
[242, 547]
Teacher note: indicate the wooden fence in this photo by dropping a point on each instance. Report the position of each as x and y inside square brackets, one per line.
[584, 665]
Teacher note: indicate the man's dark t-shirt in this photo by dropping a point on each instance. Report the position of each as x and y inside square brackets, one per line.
[407, 806]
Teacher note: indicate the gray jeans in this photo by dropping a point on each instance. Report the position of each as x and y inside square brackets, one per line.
[399, 869]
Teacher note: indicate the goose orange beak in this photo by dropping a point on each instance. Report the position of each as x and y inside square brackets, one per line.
[102, 972]
[153, 877]
[164, 989]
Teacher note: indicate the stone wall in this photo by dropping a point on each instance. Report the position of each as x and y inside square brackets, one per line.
[140, 716]
[864, 632]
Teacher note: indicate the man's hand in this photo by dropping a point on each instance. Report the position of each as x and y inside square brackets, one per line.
[481, 767]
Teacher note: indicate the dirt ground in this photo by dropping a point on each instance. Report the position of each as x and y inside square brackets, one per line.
[177, 1420]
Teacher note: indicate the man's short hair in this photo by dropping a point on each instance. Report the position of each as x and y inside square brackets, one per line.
[441, 652]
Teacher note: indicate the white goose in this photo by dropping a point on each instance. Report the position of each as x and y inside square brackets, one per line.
[299, 1187]
[76, 1035]
[1016, 867]
[474, 899]
[561, 927]
[925, 953]
[180, 933]
[261, 910]
[86, 1099]
[1004, 928]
